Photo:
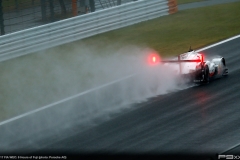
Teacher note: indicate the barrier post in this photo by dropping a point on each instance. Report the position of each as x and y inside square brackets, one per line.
[1, 19]
[63, 7]
[74, 8]
[51, 5]
[172, 6]
[92, 5]
[43, 9]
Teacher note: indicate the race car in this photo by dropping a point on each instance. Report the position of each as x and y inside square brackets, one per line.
[193, 66]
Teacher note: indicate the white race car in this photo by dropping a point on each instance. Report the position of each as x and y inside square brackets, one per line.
[198, 70]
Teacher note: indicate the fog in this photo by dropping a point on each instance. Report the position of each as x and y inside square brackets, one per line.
[97, 82]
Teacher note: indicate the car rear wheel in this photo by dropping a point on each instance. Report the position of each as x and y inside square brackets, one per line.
[206, 74]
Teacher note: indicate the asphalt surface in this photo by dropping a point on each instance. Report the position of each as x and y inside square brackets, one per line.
[199, 120]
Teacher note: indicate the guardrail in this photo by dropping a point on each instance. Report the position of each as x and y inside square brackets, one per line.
[76, 28]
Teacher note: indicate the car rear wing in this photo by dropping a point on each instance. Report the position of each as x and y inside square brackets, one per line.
[184, 61]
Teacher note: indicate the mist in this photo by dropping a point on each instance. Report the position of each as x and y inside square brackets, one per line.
[108, 79]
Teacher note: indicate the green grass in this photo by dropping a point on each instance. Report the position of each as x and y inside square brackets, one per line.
[188, 1]
[38, 79]
[171, 35]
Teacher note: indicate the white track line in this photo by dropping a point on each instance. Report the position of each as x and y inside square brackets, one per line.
[85, 92]
[230, 148]
[61, 101]
[216, 44]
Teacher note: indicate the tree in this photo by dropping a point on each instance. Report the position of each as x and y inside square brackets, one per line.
[92, 5]
[43, 9]
[63, 7]
[51, 5]
[1, 19]
[118, 2]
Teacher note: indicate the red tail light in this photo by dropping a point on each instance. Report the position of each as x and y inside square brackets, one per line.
[153, 59]
[201, 57]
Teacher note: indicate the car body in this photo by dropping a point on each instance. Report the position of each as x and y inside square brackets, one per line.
[198, 69]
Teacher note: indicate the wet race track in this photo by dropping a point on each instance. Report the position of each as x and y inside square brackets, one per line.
[199, 120]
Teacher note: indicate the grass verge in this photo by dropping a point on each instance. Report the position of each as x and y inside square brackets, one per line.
[188, 1]
[171, 35]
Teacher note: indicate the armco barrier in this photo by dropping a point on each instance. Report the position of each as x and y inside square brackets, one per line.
[172, 6]
[72, 29]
